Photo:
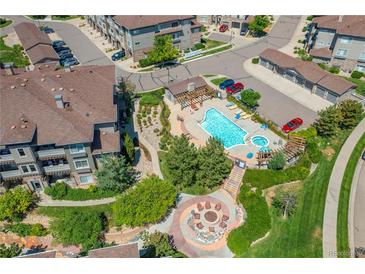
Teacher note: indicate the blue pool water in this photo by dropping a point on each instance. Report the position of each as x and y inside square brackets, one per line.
[223, 129]
[260, 141]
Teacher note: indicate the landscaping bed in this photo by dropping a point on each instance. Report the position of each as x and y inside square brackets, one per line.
[12, 54]
[360, 85]
[4, 22]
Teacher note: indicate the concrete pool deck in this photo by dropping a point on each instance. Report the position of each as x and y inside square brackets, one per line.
[191, 125]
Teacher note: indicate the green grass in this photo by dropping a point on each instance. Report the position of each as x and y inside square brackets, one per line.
[151, 98]
[301, 235]
[360, 85]
[5, 24]
[12, 54]
[211, 43]
[343, 205]
[64, 17]
[217, 81]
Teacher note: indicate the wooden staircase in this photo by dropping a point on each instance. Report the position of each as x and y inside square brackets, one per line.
[233, 183]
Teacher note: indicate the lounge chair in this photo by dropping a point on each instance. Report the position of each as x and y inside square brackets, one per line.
[233, 107]
[246, 116]
[229, 104]
[238, 111]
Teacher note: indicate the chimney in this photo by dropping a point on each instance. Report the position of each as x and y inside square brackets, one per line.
[59, 101]
[191, 87]
[9, 69]
[340, 18]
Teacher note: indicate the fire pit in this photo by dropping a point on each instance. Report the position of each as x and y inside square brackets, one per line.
[211, 216]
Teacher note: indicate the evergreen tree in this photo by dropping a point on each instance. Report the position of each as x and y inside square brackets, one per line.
[350, 113]
[327, 123]
[214, 166]
[129, 147]
[181, 162]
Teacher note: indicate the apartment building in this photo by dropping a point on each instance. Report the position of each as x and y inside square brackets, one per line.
[233, 21]
[338, 41]
[55, 124]
[136, 33]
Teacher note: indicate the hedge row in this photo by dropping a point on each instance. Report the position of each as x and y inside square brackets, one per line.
[24, 230]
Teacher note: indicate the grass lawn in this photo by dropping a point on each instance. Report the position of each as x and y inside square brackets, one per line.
[152, 98]
[301, 235]
[343, 205]
[6, 23]
[360, 85]
[12, 54]
[64, 17]
[211, 43]
[217, 81]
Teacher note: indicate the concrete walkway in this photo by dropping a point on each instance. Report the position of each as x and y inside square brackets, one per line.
[47, 201]
[333, 192]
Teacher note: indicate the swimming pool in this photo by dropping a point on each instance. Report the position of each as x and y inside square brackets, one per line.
[260, 141]
[223, 129]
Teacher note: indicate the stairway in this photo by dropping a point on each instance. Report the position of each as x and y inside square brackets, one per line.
[233, 182]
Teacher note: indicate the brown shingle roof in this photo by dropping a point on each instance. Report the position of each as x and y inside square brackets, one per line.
[42, 52]
[119, 251]
[321, 52]
[140, 21]
[182, 86]
[88, 89]
[353, 25]
[44, 254]
[106, 142]
[308, 70]
[29, 35]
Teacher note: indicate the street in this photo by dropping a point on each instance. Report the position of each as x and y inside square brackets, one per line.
[359, 219]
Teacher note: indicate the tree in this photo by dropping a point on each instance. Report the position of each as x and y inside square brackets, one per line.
[15, 203]
[160, 244]
[147, 203]
[115, 174]
[327, 123]
[277, 162]
[79, 227]
[163, 49]
[250, 98]
[258, 25]
[286, 204]
[129, 147]
[214, 165]
[10, 251]
[350, 113]
[181, 162]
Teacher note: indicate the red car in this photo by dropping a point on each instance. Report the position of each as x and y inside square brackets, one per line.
[237, 87]
[223, 28]
[292, 125]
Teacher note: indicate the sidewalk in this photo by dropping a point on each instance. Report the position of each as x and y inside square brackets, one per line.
[46, 201]
[298, 35]
[285, 86]
[333, 192]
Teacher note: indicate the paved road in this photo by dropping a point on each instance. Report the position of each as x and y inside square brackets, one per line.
[333, 192]
[359, 217]
[273, 104]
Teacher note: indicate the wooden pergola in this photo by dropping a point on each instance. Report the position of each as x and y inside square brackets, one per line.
[196, 96]
[294, 147]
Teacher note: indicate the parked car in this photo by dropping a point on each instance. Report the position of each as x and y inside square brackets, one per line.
[47, 29]
[237, 87]
[61, 48]
[64, 51]
[70, 62]
[244, 31]
[66, 56]
[226, 83]
[363, 155]
[57, 43]
[292, 125]
[118, 55]
[223, 28]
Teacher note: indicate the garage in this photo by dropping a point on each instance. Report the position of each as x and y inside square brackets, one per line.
[324, 93]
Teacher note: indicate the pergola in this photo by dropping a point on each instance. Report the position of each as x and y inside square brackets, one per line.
[198, 95]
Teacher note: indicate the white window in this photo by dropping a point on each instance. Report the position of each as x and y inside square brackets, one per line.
[32, 168]
[362, 56]
[21, 152]
[25, 169]
[28, 168]
[341, 52]
[80, 164]
[77, 148]
[346, 40]
[86, 179]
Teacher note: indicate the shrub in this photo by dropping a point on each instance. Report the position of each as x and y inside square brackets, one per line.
[255, 60]
[10, 251]
[277, 162]
[250, 98]
[334, 70]
[58, 190]
[24, 230]
[357, 74]
[285, 203]
[313, 151]
[160, 244]
[145, 62]
[15, 203]
[147, 203]
[198, 46]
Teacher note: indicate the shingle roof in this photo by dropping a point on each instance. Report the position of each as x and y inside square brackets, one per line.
[88, 90]
[44, 254]
[39, 53]
[106, 142]
[139, 21]
[182, 86]
[129, 250]
[353, 25]
[308, 70]
[321, 52]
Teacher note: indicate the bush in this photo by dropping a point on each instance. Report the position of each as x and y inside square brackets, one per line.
[24, 230]
[145, 62]
[255, 60]
[198, 46]
[147, 203]
[313, 151]
[250, 98]
[357, 74]
[334, 70]
[15, 203]
[160, 244]
[277, 162]
[257, 224]
[58, 190]
[9, 251]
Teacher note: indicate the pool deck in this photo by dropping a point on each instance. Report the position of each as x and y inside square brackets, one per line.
[191, 125]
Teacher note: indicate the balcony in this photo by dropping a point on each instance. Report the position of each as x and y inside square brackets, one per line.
[55, 153]
[57, 169]
[11, 175]
[6, 159]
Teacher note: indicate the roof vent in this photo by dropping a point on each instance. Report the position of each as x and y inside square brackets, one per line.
[87, 114]
[90, 71]
[103, 132]
[23, 84]
[13, 87]
[58, 76]
[53, 89]
[60, 89]
[72, 89]
[42, 79]
[13, 127]
[25, 80]
[23, 126]
[47, 66]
